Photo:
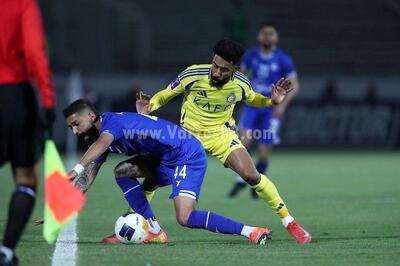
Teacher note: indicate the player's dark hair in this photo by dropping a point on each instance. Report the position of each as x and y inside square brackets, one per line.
[268, 24]
[78, 106]
[229, 50]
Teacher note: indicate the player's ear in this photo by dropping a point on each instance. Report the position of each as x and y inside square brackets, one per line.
[92, 116]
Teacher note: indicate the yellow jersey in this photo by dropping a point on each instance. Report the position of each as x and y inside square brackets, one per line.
[205, 106]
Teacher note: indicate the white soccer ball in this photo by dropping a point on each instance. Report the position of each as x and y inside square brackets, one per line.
[131, 228]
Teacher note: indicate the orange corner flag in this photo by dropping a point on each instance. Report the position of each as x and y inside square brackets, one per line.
[62, 199]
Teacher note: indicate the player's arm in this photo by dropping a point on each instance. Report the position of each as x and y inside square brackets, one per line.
[260, 100]
[35, 52]
[94, 151]
[281, 108]
[146, 104]
[85, 180]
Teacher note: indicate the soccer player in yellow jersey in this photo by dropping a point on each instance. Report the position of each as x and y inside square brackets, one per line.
[210, 94]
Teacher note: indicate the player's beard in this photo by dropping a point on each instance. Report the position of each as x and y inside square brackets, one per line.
[267, 46]
[90, 135]
[219, 83]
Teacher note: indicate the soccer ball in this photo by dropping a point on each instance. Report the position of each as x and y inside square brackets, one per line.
[131, 228]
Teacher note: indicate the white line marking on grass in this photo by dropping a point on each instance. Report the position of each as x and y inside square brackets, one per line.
[65, 253]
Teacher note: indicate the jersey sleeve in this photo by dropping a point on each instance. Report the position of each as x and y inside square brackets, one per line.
[247, 91]
[114, 127]
[35, 52]
[179, 85]
[288, 68]
[250, 94]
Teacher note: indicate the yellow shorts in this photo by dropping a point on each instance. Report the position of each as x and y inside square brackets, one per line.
[220, 144]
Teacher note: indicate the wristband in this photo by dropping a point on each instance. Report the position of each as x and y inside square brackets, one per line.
[78, 168]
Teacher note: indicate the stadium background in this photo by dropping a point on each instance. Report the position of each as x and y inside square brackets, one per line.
[329, 169]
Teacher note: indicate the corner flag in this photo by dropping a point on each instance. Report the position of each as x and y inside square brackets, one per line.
[62, 199]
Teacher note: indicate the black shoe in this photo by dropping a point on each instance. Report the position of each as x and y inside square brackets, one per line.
[253, 194]
[4, 262]
[237, 187]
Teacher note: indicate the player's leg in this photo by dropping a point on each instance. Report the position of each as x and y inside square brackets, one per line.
[20, 208]
[23, 136]
[137, 166]
[240, 161]
[126, 172]
[186, 183]
[240, 184]
[187, 216]
[248, 122]
[263, 151]
[266, 134]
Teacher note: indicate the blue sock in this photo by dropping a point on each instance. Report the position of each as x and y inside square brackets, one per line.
[135, 196]
[262, 167]
[214, 223]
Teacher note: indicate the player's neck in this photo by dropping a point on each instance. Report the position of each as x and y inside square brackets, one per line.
[267, 50]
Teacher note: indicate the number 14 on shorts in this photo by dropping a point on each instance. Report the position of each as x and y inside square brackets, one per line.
[180, 174]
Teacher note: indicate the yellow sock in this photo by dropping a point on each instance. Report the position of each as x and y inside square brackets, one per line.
[268, 192]
[149, 197]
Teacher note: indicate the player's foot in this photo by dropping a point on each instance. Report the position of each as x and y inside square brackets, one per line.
[253, 194]
[5, 262]
[260, 236]
[298, 233]
[237, 187]
[111, 239]
[160, 238]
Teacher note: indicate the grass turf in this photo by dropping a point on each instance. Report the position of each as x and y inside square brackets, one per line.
[347, 200]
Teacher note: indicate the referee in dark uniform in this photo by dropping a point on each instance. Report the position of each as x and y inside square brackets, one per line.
[22, 60]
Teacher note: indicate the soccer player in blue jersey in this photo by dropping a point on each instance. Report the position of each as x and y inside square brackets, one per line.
[264, 65]
[174, 157]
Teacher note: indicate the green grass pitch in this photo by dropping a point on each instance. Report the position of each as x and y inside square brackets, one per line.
[349, 201]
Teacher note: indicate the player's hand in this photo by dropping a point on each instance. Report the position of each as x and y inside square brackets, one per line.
[143, 104]
[38, 221]
[71, 175]
[280, 90]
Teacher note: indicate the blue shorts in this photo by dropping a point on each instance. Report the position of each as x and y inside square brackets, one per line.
[186, 177]
[264, 127]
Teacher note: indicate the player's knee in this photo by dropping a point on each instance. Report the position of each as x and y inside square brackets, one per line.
[126, 169]
[26, 176]
[182, 217]
[251, 176]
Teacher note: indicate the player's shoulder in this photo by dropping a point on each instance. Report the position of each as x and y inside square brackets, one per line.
[117, 116]
[253, 52]
[197, 71]
[240, 79]
[280, 53]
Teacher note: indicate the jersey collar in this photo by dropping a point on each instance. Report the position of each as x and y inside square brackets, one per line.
[267, 56]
